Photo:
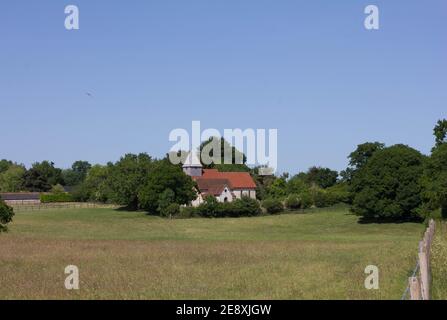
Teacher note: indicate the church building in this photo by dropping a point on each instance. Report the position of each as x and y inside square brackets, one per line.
[225, 186]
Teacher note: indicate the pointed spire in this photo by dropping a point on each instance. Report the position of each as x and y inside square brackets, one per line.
[192, 160]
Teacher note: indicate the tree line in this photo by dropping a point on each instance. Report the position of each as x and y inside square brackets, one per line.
[381, 182]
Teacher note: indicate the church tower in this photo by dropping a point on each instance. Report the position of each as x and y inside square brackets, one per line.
[192, 166]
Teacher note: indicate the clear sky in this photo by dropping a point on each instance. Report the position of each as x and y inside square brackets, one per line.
[307, 68]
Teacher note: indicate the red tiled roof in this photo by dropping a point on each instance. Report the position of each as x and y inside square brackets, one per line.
[238, 180]
[212, 186]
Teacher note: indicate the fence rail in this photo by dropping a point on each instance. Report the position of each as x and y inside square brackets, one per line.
[419, 283]
[21, 207]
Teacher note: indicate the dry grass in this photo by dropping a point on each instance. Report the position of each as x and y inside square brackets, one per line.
[123, 255]
[439, 263]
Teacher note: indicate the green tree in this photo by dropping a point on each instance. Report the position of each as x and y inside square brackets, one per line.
[321, 177]
[359, 158]
[34, 181]
[11, 180]
[296, 185]
[42, 176]
[440, 132]
[6, 214]
[237, 157]
[4, 165]
[165, 176]
[166, 198]
[387, 186]
[77, 174]
[127, 177]
[278, 188]
[96, 186]
[434, 180]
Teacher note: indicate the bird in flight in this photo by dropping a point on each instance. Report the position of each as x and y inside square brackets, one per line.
[89, 94]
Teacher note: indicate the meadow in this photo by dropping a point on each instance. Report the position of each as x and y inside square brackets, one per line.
[317, 254]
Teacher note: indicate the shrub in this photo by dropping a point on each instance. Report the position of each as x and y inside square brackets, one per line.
[323, 199]
[171, 210]
[245, 207]
[187, 212]
[306, 200]
[57, 189]
[293, 202]
[209, 208]
[6, 214]
[340, 193]
[273, 206]
[56, 197]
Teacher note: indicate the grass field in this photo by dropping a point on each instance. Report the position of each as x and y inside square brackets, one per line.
[320, 254]
[439, 263]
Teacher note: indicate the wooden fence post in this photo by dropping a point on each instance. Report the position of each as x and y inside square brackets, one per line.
[423, 267]
[415, 288]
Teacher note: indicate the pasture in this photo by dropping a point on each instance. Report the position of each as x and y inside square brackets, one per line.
[318, 254]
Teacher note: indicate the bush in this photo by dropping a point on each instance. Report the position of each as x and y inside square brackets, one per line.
[273, 206]
[323, 199]
[306, 200]
[56, 197]
[340, 193]
[171, 210]
[6, 214]
[57, 189]
[209, 208]
[244, 207]
[186, 213]
[293, 202]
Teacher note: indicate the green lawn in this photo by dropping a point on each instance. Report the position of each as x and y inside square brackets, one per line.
[319, 254]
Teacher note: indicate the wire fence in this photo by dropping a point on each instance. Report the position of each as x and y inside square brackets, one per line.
[419, 283]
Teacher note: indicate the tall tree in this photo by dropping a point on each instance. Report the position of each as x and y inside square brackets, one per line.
[321, 177]
[4, 165]
[12, 179]
[440, 132]
[77, 174]
[127, 177]
[238, 159]
[434, 180]
[166, 182]
[359, 157]
[42, 176]
[388, 185]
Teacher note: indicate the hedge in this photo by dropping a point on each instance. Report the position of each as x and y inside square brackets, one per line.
[273, 206]
[211, 208]
[56, 197]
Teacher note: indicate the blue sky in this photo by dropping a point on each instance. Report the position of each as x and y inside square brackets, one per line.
[306, 68]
